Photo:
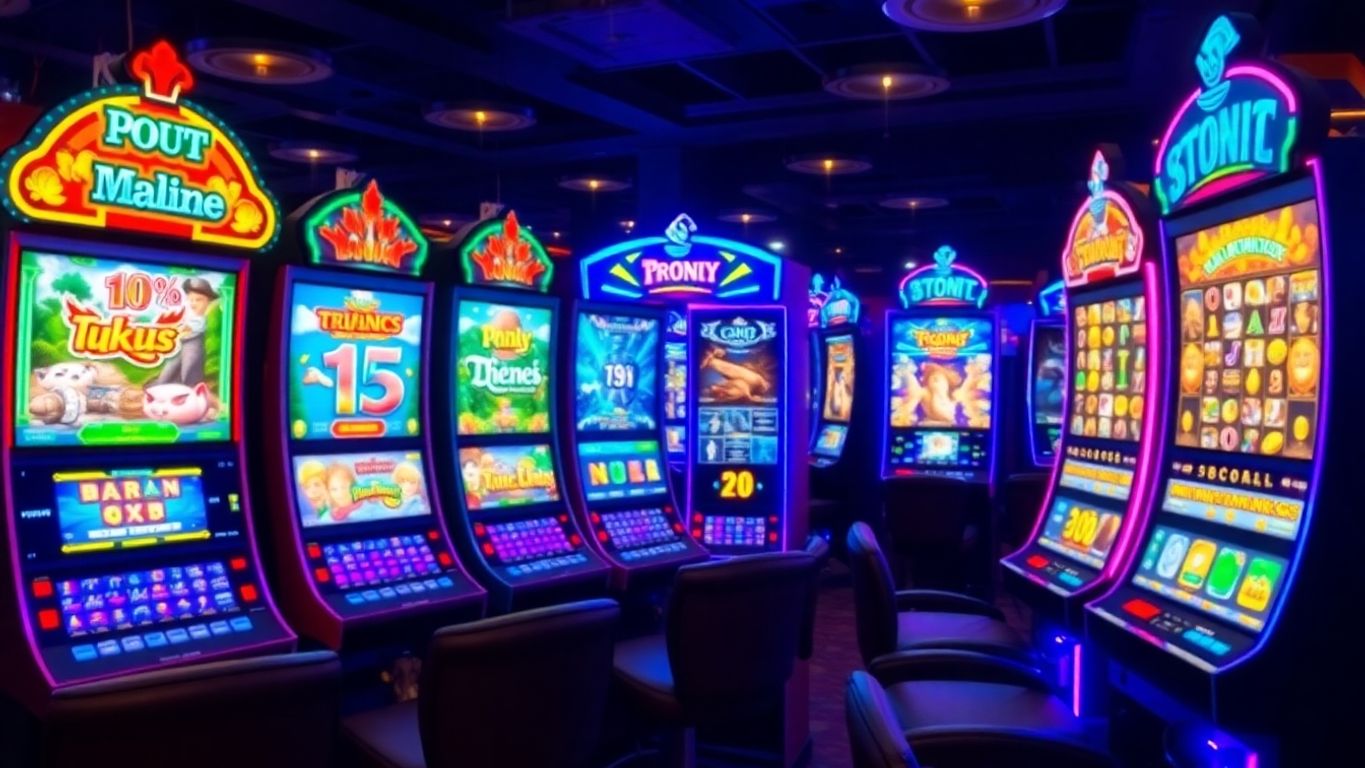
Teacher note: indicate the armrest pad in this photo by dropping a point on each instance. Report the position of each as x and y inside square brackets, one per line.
[994, 745]
[944, 602]
[965, 666]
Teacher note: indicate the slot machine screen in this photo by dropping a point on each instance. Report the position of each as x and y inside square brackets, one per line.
[675, 385]
[120, 352]
[1049, 376]
[615, 386]
[355, 359]
[1109, 370]
[501, 476]
[99, 510]
[344, 488]
[503, 368]
[839, 370]
[621, 469]
[830, 441]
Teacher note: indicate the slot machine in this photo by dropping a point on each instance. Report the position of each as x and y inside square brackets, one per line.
[1111, 343]
[1046, 389]
[360, 545]
[835, 338]
[675, 389]
[133, 213]
[501, 440]
[1225, 621]
[621, 485]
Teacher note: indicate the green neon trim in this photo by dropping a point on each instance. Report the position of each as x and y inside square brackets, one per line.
[351, 197]
[495, 226]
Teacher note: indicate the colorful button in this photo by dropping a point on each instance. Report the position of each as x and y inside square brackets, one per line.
[84, 652]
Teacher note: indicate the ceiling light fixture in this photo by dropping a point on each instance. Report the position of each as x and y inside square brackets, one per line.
[747, 217]
[885, 82]
[313, 152]
[480, 116]
[777, 246]
[828, 164]
[594, 183]
[258, 61]
[968, 15]
[913, 202]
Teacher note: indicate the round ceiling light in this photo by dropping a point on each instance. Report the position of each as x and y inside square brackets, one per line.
[913, 202]
[891, 82]
[258, 61]
[747, 217]
[828, 164]
[444, 220]
[314, 152]
[594, 183]
[480, 116]
[968, 15]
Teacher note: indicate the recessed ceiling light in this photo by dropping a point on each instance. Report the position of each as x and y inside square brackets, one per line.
[776, 245]
[913, 202]
[828, 164]
[594, 183]
[968, 15]
[747, 217]
[910, 265]
[444, 220]
[892, 82]
[479, 116]
[315, 152]
[258, 61]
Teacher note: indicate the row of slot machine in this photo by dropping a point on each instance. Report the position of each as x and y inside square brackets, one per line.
[380, 435]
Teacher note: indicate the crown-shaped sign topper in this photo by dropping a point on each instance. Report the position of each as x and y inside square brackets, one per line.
[364, 230]
[162, 74]
[943, 283]
[502, 253]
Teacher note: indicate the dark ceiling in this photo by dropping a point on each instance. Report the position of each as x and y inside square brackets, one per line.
[700, 101]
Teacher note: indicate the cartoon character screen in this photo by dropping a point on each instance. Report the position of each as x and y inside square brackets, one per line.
[941, 372]
[616, 386]
[1250, 334]
[621, 469]
[838, 405]
[339, 488]
[507, 475]
[114, 352]
[1049, 375]
[122, 508]
[355, 361]
[739, 365]
[503, 369]
[1108, 387]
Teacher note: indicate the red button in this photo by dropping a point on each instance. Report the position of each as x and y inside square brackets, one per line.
[772, 519]
[479, 530]
[602, 536]
[696, 518]
[488, 548]
[48, 619]
[322, 574]
[1141, 609]
[314, 551]
[575, 540]
[596, 518]
[696, 533]
[677, 528]
[42, 588]
[433, 535]
[1038, 561]
[772, 536]
[564, 519]
[238, 563]
[444, 559]
[249, 593]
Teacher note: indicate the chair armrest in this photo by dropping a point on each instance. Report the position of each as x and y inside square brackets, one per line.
[944, 602]
[978, 745]
[963, 666]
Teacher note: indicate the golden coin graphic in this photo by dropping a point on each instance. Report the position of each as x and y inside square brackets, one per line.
[1121, 406]
[1230, 410]
[1187, 421]
[1276, 352]
[1300, 428]
[1109, 336]
[1253, 382]
[1272, 443]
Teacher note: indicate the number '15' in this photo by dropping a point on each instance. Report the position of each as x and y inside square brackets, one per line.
[343, 360]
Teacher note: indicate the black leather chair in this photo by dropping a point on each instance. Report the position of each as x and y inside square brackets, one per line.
[733, 632]
[889, 621]
[960, 709]
[525, 689]
[818, 548]
[265, 712]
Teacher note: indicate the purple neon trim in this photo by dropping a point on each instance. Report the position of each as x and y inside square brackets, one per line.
[885, 387]
[1076, 679]
[995, 403]
[1028, 399]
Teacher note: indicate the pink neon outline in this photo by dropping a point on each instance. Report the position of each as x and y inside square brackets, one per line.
[1135, 230]
[985, 287]
[1076, 679]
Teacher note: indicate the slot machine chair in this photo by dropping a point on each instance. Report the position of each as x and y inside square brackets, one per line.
[266, 712]
[733, 632]
[890, 621]
[1005, 716]
[527, 688]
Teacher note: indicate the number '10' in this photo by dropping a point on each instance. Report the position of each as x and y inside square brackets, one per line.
[343, 360]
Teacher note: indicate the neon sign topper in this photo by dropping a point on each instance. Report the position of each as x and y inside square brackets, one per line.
[682, 265]
[943, 283]
[141, 159]
[500, 252]
[1241, 126]
[1105, 239]
[833, 306]
[1052, 299]
[364, 230]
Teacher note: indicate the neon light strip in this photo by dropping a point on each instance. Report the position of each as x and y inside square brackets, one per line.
[1028, 399]
[1076, 680]
[955, 267]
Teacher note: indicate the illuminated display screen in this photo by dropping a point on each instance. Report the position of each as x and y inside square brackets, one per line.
[621, 469]
[132, 507]
[355, 360]
[1250, 334]
[1049, 375]
[1209, 574]
[507, 476]
[336, 489]
[830, 441]
[941, 372]
[114, 352]
[675, 395]
[1081, 530]
[838, 400]
[503, 368]
[616, 377]
[1108, 382]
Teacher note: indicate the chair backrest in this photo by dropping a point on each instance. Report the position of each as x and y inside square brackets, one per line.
[875, 736]
[260, 712]
[529, 688]
[735, 629]
[874, 593]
